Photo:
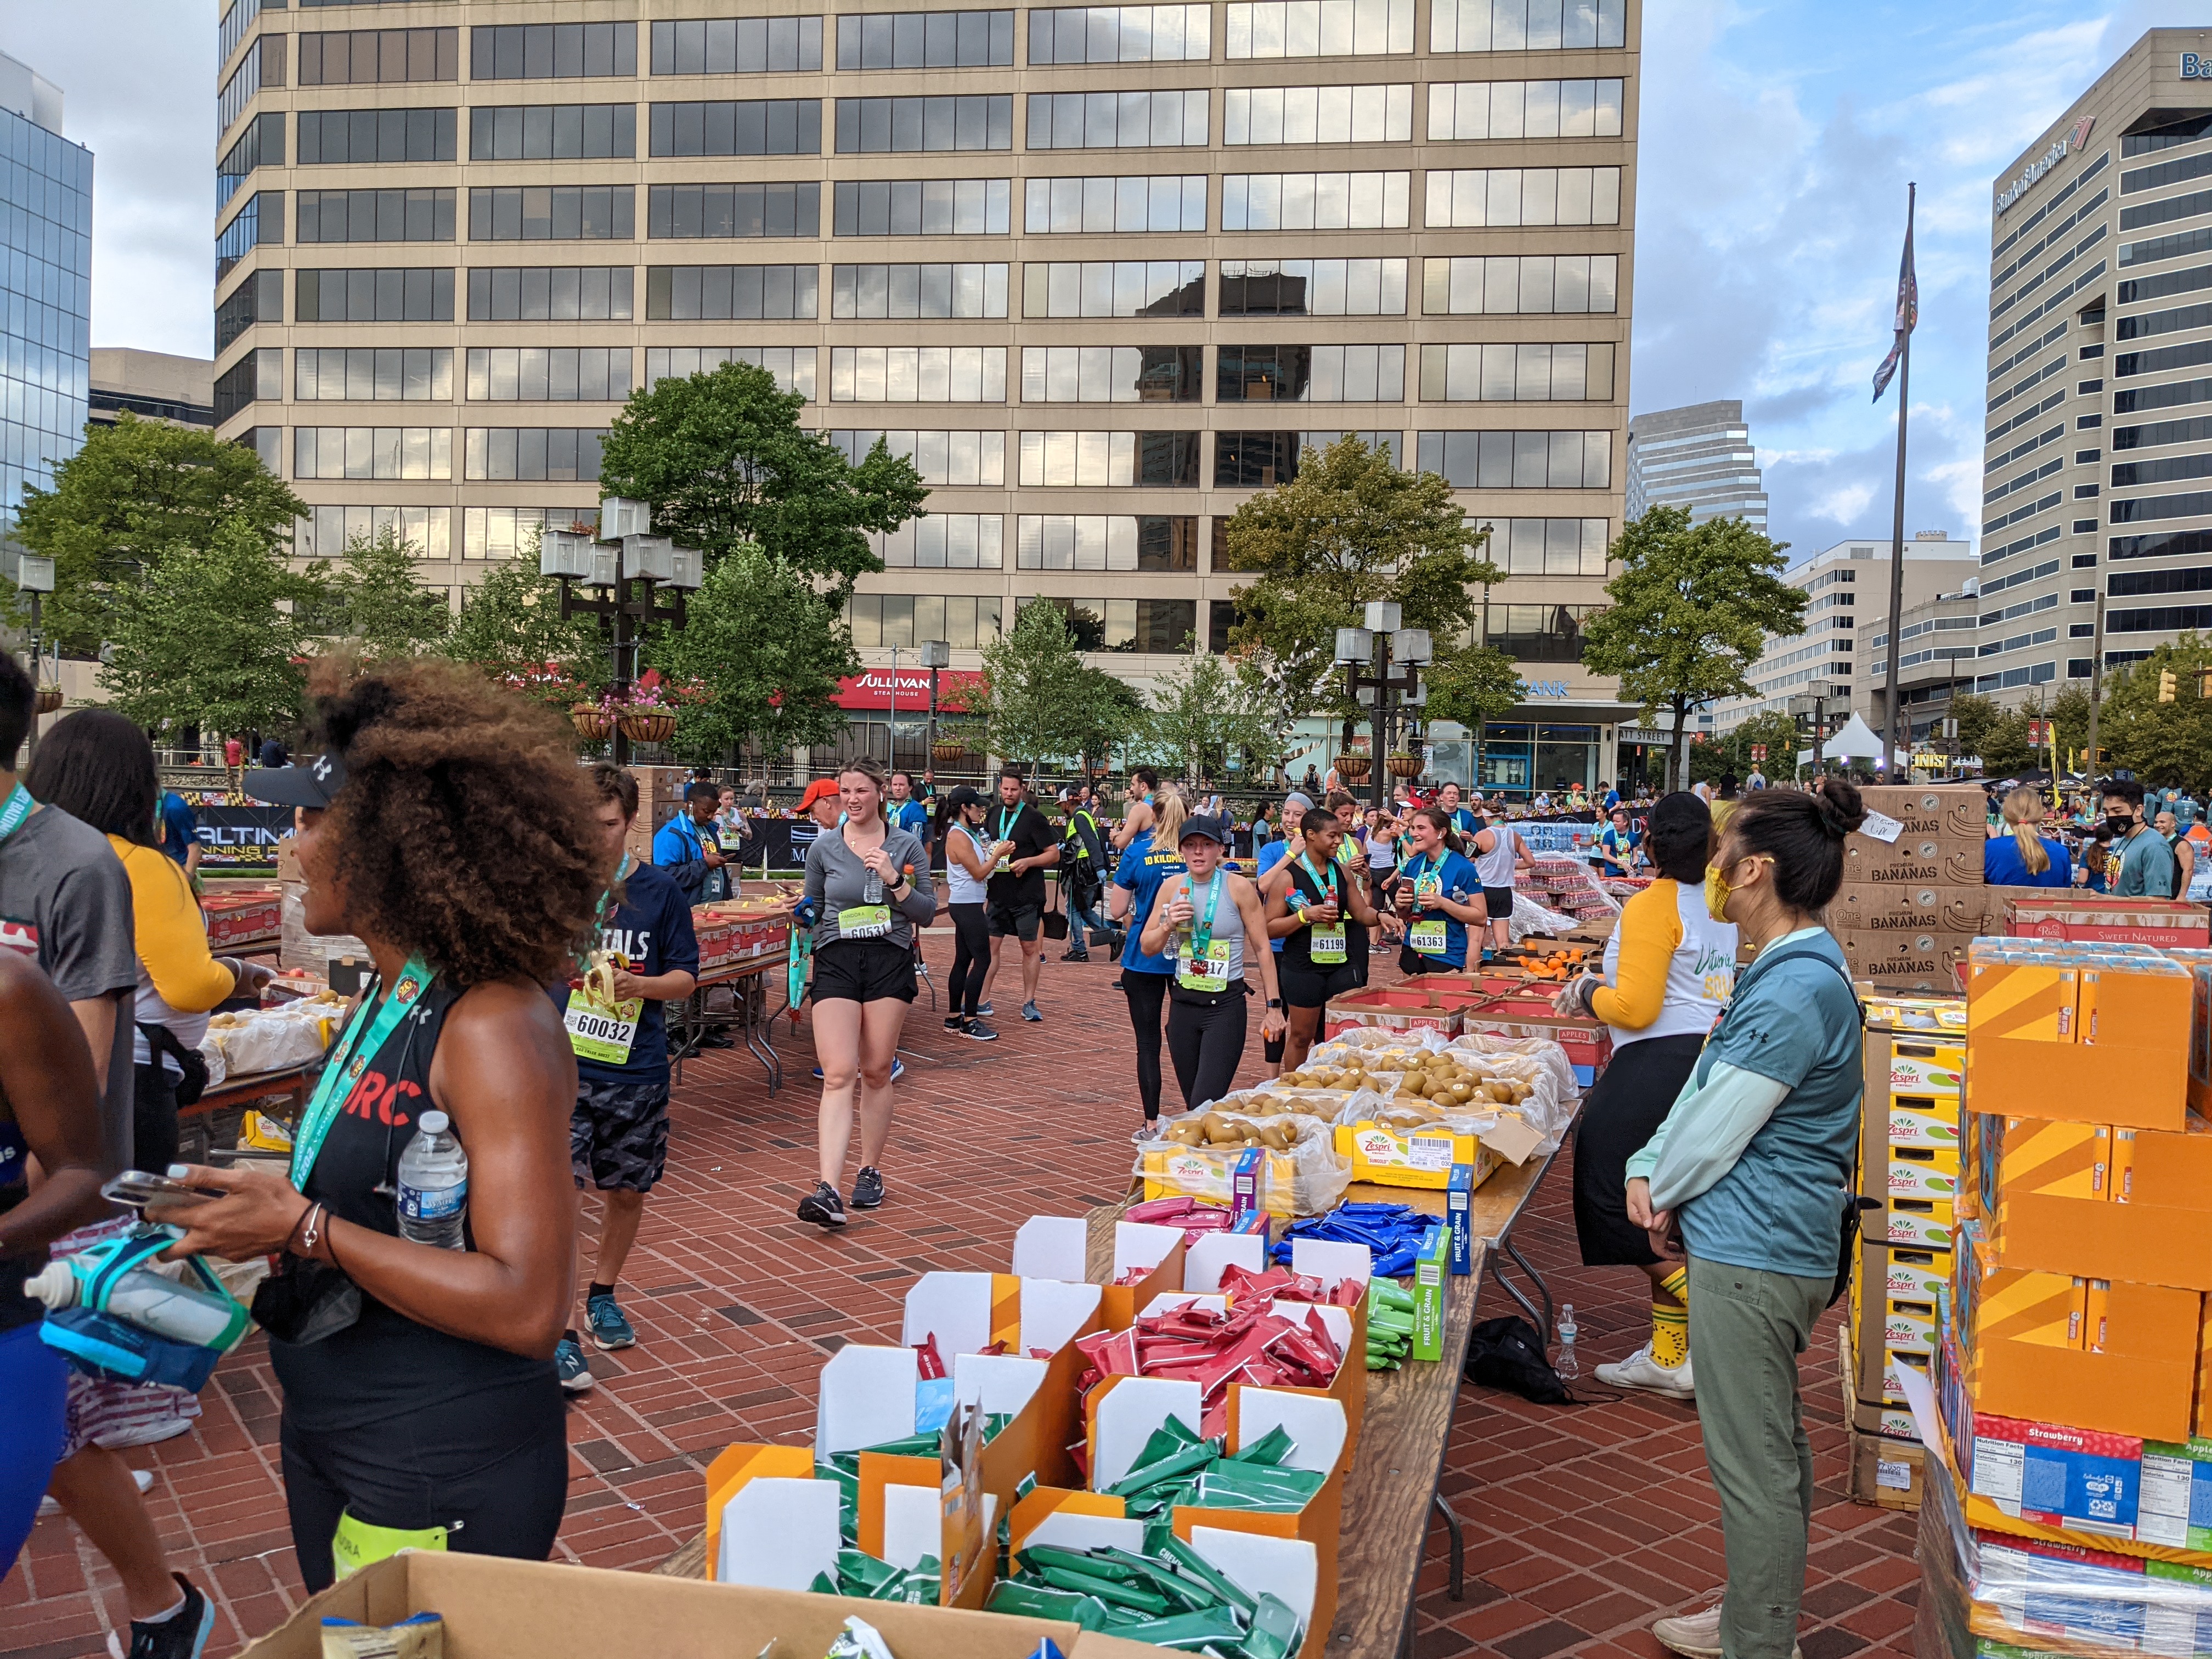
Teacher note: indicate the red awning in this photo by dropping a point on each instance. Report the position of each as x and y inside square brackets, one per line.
[874, 689]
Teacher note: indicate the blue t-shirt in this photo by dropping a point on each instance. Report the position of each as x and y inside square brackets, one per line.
[2003, 866]
[179, 829]
[1617, 849]
[1271, 855]
[1141, 871]
[653, 927]
[1458, 880]
[913, 816]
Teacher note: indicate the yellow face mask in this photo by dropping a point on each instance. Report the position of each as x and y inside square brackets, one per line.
[1717, 889]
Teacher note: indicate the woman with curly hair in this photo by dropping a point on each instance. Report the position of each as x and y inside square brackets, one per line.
[447, 826]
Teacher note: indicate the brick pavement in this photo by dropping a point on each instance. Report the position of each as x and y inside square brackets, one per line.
[1582, 1523]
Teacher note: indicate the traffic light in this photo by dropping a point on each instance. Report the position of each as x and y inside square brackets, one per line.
[2166, 685]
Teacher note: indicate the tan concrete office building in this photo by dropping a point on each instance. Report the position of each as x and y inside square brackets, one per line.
[2099, 443]
[1073, 260]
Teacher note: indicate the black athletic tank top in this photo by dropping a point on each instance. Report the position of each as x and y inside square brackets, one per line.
[1298, 947]
[385, 1363]
[16, 1309]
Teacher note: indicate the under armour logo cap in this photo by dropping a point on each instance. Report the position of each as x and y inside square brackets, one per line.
[314, 786]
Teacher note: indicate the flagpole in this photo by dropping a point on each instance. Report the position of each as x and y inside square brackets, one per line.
[1890, 771]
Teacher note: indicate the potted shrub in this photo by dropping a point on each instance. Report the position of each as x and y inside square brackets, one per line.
[947, 749]
[49, 699]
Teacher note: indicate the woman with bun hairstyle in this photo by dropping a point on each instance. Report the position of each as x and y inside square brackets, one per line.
[1749, 1177]
[1665, 977]
[2023, 856]
[1432, 891]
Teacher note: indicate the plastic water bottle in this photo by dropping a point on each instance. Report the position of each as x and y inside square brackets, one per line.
[1567, 1365]
[433, 1184]
[145, 1298]
[872, 890]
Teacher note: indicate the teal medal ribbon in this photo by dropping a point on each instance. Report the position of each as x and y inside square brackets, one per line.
[1328, 885]
[18, 808]
[349, 1059]
[1201, 932]
[599, 911]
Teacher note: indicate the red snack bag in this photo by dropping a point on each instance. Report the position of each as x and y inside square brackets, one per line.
[930, 1363]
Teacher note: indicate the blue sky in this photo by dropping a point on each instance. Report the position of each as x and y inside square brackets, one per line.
[1776, 143]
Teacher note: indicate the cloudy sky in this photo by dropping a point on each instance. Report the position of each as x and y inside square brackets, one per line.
[1776, 141]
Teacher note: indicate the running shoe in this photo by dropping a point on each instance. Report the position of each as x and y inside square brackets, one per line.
[984, 1010]
[822, 1206]
[1697, 1635]
[1075, 956]
[954, 1022]
[867, 1188]
[182, 1635]
[609, 1329]
[1151, 1130]
[979, 1031]
[1640, 1370]
[569, 1365]
[1029, 1013]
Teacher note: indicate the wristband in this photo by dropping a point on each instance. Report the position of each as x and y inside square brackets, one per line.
[1274, 1002]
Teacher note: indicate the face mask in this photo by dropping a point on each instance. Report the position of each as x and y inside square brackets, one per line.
[1717, 893]
[2117, 824]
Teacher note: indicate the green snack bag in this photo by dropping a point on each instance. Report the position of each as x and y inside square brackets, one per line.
[1168, 1581]
[1272, 1447]
[1190, 1561]
[861, 1574]
[824, 1584]
[1189, 1460]
[1112, 1592]
[1039, 1601]
[1274, 1633]
[1189, 1630]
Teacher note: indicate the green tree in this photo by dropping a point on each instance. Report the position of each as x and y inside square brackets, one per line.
[723, 461]
[1349, 529]
[1976, 715]
[1691, 608]
[2005, 747]
[2161, 743]
[1105, 714]
[1472, 685]
[1209, 713]
[1038, 699]
[759, 658]
[510, 626]
[209, 636]
[374, 598]
[1778, 732]
[136, 492]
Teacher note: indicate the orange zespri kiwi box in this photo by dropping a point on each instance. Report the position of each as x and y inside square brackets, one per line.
[2075, 1024]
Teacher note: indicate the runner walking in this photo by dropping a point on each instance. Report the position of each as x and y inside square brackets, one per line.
[1016, 886]
[1499, 853]
[1308, 914]
[969, 855]
[1150, 860]
[1207, 1016]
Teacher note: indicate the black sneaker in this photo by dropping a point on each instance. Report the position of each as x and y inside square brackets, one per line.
[1075, 956]
[979, 1031]
[183, 1634]
[867, 1188]
[822, 1206]
[954, 1022]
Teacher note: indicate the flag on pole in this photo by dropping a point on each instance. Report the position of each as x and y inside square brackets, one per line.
[1908, 304]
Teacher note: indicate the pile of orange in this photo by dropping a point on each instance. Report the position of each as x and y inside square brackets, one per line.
[1560, 967]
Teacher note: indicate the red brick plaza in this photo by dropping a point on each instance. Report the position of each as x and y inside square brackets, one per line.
[1583, 1522]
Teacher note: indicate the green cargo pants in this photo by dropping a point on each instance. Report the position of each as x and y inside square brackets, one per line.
[1746, 1329]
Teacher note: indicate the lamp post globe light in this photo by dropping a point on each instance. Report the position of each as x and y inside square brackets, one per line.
[623, 570]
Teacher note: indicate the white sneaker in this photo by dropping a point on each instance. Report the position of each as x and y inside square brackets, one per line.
[47, 1507]
[1697, 1634]
[1641, 1370]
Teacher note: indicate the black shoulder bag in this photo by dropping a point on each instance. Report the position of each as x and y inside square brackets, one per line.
[163, 1041]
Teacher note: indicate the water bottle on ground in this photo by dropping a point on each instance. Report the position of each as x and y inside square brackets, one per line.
[1566, 1364]
[433, 1184]
[145, 1298]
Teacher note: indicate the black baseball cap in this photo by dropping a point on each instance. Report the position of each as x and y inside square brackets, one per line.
[1205, 824]
[314, 786]
[962, 796]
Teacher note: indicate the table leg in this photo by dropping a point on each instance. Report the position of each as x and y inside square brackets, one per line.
[1456, 1541]
[1542, 1289]
[760, 1031]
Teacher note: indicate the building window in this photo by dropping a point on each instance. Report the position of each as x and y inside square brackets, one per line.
[1105, 541]
[258, 298]
[361, 58]
[1546, 547]
[737, 45]
[1525, 25]
[1159, 626]
[756, 126]
[376, 215]
[507, 532]
[1121, 34]
[1317, 115]
[237, 18]
[553, 213]
[382, 295]
[261, 145]
[257, 376]
[1470, 199]
[1313, 287]
[1314, 201]
[792, 366]
[1518, 460]
[1108, 288]
[332, 137]
[1319, 28]
[943, 541]
[551, 51]
[965, 621]
[557, 375]
[1537, 633]
[917, 375]
[1116, 121]
[529, 294]
[711, 293]
[722, 212]
[945, 460]
[1111, 374]
[1315, 374]
[264, 67]
[925, 40]
[372, 452]
[1136, 203]
[259, 223]
[552, 132]
[1525, 283]
[923, 207]
[1255, 460]
[373, 374]
[570, 454]
[1084, 459]
[1574, 373]
[918, 291]
[1524, 109]
[326, 531]
[867, 126]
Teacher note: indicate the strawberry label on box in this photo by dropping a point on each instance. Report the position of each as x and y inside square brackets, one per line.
[2077, 1480]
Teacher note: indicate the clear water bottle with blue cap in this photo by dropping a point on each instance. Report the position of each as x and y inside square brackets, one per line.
[434, 1185]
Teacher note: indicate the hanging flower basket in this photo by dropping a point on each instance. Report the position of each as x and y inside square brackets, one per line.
[1353, 767]
[590, 720]
[1404, 766]
[650, 726]
[947, 749]
[50, 699]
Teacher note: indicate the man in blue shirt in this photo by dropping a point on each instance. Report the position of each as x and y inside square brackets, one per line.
[684, 847]
[181, 832]
[644, 954]
[2146, 866]
[905, 813]
[1463, 821]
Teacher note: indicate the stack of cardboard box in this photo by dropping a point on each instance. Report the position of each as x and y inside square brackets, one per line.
[1912, 897]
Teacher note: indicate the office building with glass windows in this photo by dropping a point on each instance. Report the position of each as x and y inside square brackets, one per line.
[46, 284]
[1699, 457]
[1067, 259]
[2100, 415]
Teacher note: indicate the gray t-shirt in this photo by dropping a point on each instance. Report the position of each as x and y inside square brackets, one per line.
[65, 898]
[836, 880]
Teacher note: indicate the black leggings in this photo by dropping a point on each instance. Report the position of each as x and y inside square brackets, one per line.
[491, 1466]
[153, 1116]
[1146, 992]
[971, 959]
[1206, 1038]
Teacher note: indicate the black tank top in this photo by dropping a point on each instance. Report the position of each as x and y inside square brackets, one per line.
[385, 1363]
[16, 1309]
[1298, 947]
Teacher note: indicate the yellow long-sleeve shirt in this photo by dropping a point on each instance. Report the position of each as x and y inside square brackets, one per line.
[1649, 931]
[173, 959]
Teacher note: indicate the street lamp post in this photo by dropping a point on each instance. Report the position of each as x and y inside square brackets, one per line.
[936, 655]
[624, 573]
[34, 575]
[1366, 655]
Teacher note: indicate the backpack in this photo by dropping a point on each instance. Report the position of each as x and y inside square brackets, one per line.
[1508, 1353]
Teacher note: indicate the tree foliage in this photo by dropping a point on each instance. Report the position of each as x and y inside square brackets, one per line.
[722, 460]
[1976, 715]
[510, 626]
[1472, 684]
[138, 491]
[1211, 713]
[1691, 608]
[2161, 743]
[372, 598]
[1039, 700]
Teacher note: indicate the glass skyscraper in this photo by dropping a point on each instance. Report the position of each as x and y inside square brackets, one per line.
[46, 284]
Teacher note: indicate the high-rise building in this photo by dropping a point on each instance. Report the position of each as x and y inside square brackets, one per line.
[155, 385]
[45, 283]
[1699, 457]
[2097, 441]
[1071, 260]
